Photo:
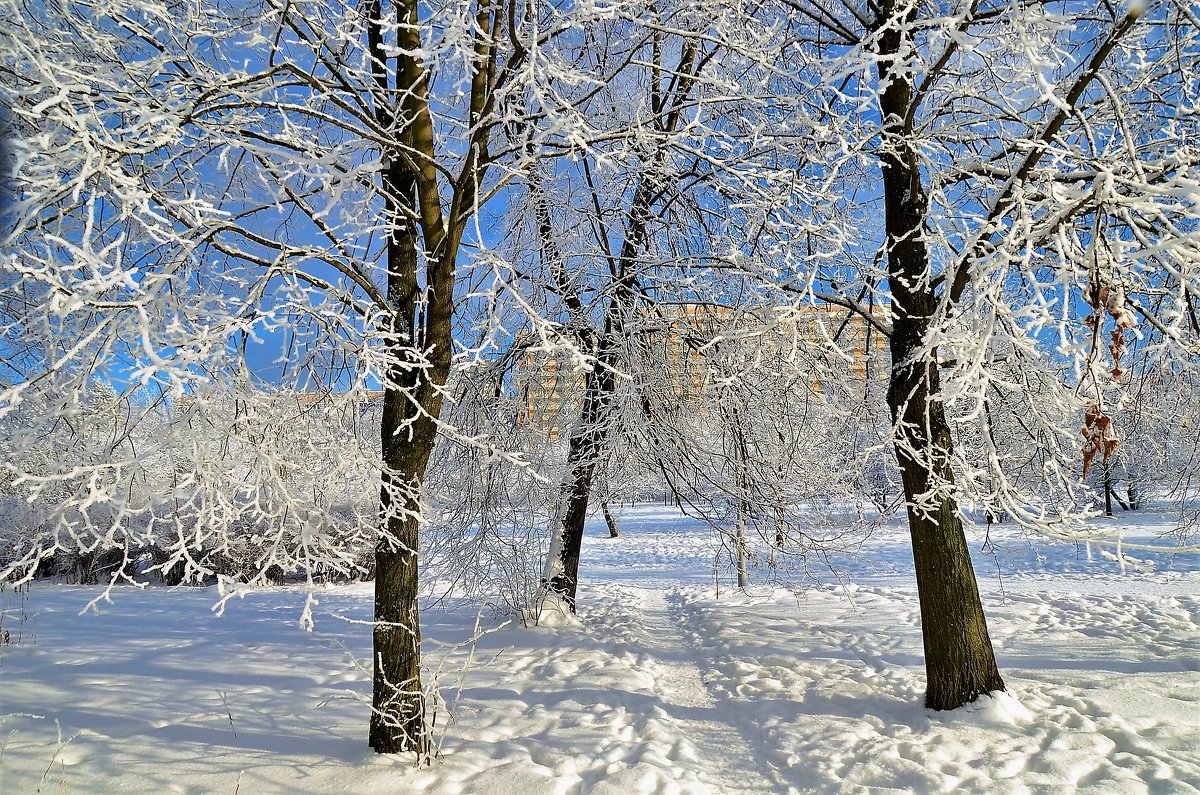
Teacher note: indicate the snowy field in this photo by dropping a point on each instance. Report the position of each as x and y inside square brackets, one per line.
[664, 685]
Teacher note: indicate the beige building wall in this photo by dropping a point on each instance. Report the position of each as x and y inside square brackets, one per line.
[680, 342]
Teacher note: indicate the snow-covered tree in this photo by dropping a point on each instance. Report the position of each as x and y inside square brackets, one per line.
[625, 225]
[1032, 165]
[760, 422]
[217, 201]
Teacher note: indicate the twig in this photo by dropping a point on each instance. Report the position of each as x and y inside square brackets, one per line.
[229, 715]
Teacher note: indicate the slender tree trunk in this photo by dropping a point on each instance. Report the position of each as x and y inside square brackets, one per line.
[397, 701]
[397, 704]
[1108, 489]
[583, 454]
[408, 434]
[590, 434]
[407, 437]
[743, 576]
[780, 516]
[960, 664]
[610, 520]
[412, 400]
[419, 336]
[398, 713]
[590, 437]
[741, 456]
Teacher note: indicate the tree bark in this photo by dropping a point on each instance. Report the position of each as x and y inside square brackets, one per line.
[419, 338]
[583, 452]
[741, 455]
[590, 436]
[398, 703]
[743, 576]
[397, 699]
[960, 664]
[610, 520]
[1108, 489]
[407, 431]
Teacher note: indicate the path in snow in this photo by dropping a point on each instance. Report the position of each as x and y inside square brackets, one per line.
[729, 762]
[616, 705]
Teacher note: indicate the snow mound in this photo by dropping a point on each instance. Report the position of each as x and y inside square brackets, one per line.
[551, 610]
[994, 709]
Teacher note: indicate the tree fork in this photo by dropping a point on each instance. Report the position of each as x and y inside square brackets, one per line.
[588, 442]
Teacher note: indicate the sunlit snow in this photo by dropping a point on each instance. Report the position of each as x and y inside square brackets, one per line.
[664, 685]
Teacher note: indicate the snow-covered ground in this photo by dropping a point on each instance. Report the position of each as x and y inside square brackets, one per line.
[664, 684]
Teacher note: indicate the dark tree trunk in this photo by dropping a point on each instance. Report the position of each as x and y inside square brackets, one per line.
[741, 458]
[1110, 493]
[610, 520]
[780, 512]
[418, 333]
[1108, 489]
[589, 439]
[398, 703]
[583, 453]
[412, 400]
[960, 664]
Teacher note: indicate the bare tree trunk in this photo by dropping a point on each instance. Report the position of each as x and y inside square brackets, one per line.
[610, 520]
[397, 703]
[780, 518]
[583, 453]
[743, 577]
[741, 456]
[1108, 488]
[408, 431]
[419, 342]
[588, 441]
[959, 661]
